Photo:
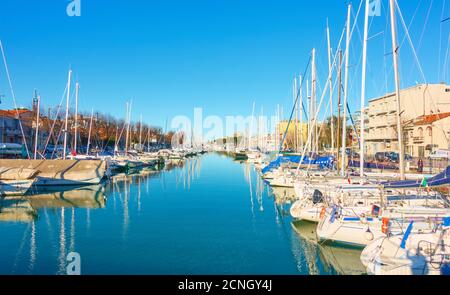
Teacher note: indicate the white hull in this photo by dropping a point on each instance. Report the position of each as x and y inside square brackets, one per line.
[307, 213]
[43, 181]
[351, 229]
[423, 254]
[15, 187]
[62, 172]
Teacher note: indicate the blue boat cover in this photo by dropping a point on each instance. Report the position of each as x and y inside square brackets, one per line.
[323, 162]
[440, 179]
[285, 159]
[446, 222]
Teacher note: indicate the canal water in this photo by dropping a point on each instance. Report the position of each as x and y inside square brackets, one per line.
[205, 215]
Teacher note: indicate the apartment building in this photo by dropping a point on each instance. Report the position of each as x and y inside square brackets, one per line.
[425, 112]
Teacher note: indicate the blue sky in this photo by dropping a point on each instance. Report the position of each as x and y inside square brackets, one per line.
[172, 56]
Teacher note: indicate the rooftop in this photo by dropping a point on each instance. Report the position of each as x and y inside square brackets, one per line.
[430, 119]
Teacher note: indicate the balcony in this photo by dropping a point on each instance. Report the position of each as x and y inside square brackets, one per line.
[418, 139]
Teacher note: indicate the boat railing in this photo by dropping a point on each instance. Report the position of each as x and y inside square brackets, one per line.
[437, 253]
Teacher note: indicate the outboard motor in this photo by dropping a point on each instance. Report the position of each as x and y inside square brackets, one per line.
[317, 197]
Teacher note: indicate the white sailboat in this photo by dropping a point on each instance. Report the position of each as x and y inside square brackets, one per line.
[410, 253]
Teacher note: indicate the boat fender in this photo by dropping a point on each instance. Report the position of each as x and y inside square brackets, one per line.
[385, 225]
[322, 212]
[333, 214]
[368, 235]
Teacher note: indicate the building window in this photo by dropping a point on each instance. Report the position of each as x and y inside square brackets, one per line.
[430, 131]
[421, 152]
[420, 131]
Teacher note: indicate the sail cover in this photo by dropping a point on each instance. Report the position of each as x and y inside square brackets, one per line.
[323, 162]
[286, 159]
[440, 179]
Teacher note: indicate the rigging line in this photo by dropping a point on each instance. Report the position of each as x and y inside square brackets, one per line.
[410, 43]
[57, 140]
[369, 65]
[14, 99]
[353, 122]
[309, 140]
[410, 23]
[54, 121]
[422, 34]
[425, 25]
[414, 51]
[386, 28]
[440, 41]
[447, 56]
[353, 77]
[295, 103]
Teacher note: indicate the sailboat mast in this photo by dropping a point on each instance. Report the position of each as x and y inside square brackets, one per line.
[116, 143]
[37, 126]
[263, 146]
[76, 116]
[294, 92]
[130, 134]
[331, 87]
[127, 141]
[148, 139]
[140, 133]
[90, 131]
[339, 107]
[308, 96]
[251, 128]
[397, 89]
[301, 111]
[344, 116]
[126, 124]
[278, 139]
[67, 114]
[363, 90]
[313, 100]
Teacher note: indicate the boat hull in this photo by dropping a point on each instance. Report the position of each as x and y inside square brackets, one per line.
[15, 187]
[62, 172]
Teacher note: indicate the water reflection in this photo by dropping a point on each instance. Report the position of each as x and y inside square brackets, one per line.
[28, 209]
[16, 209]
[25, 208]
[311, 256]
[344, 261]
[92, 197]
[283, 195]
[203, 215]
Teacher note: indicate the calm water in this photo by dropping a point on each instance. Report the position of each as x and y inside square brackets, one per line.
[208, 215]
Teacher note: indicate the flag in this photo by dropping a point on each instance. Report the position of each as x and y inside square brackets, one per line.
[424, 182]
[374, 8]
